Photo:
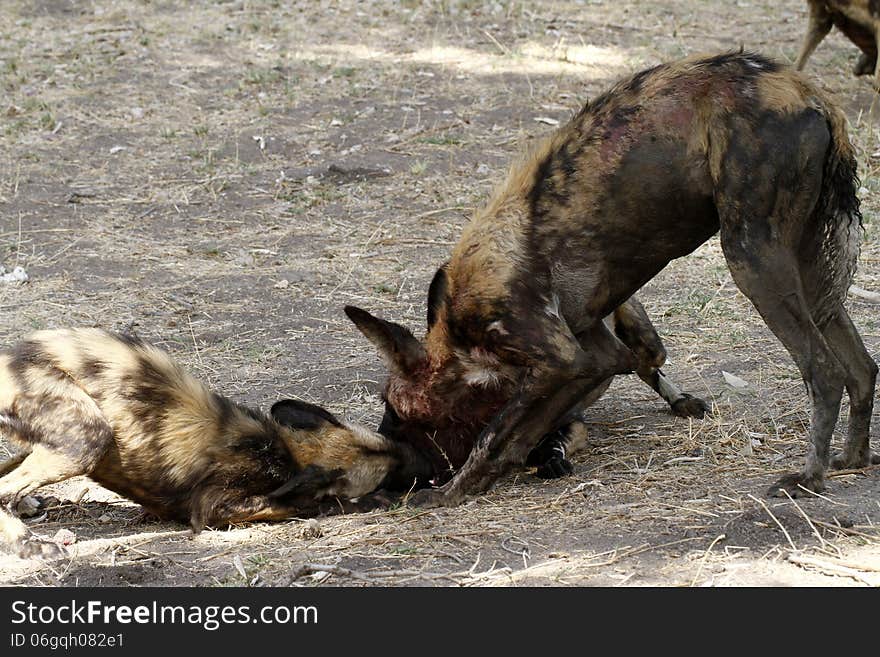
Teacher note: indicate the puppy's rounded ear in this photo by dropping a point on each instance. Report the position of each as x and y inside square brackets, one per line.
[302, 415]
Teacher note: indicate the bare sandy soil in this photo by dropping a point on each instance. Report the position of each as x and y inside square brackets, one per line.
[222, 177]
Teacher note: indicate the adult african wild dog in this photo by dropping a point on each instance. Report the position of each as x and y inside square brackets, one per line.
[859, 20]
[469, 392]
[89, 402]
[643, 174]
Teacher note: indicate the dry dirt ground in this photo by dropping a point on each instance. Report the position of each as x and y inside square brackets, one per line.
[222, 177]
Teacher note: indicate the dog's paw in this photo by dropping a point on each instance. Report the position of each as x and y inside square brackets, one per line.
[865, 65]
[431, 498]
[554, 468]
[36, 548]
[842, 461]
[690, 406]
[795, 485]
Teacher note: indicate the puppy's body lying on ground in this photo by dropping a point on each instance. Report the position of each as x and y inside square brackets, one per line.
[89, 402]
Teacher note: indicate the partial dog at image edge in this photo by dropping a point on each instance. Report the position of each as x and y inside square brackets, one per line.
[518, 332]
[123, 412]
[859, 20]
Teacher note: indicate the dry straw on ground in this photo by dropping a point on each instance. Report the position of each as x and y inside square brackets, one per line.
[222, 177]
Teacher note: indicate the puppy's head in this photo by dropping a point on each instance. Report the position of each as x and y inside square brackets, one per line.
[338, 459]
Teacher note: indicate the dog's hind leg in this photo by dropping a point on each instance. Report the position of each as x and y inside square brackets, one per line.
[39, 468]
[789, 229]
[769, 278]
[63, 443]
[844, 340]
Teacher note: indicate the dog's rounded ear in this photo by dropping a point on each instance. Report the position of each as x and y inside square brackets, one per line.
[301, 415]
[398, 348]
[437, 294]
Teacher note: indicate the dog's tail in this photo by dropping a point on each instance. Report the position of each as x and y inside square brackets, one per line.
[837, 222]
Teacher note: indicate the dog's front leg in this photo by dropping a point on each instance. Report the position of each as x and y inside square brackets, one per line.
[819, 27]
[548, 392]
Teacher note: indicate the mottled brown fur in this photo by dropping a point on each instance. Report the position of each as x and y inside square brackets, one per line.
[859, 20]
[88, 402]
[533, 314]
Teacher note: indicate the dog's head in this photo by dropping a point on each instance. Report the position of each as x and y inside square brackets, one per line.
[339, 459]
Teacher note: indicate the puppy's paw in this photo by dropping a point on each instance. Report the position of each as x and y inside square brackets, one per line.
[36, 548]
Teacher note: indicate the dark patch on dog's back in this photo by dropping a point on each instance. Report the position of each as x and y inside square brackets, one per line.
[92, 368]
[30, 354]
[635, 83]
[567, 162]
[618, 120]
[750, 62]
[225, 409]
[546, 191]
[149, 388]
[630, 86]
[250, 412]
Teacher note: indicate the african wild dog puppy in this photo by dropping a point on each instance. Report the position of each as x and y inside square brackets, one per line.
[859, 20]
[89, 402]
[643, 174]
